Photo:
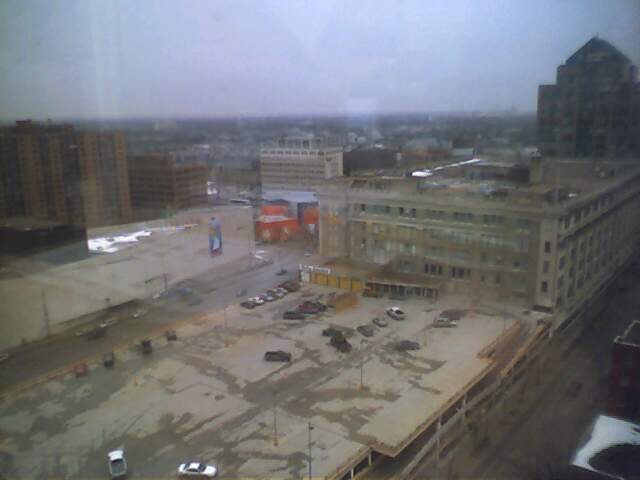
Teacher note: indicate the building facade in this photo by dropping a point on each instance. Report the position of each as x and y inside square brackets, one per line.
[624, 381]
[53, 172]
[593, 110]
[547, 243]
[299, 164]
[159, 183]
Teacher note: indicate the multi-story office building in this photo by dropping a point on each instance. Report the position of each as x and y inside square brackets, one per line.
[547, 240]
[299, 163]
[53, 172]
[157, 183]
[593, 110]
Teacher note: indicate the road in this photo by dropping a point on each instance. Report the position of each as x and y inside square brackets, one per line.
[217, 290]
[540, 425]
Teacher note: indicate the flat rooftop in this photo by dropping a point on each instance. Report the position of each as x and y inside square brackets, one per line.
[210, 396]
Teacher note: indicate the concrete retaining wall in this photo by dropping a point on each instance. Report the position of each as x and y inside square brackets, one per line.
[43, 303]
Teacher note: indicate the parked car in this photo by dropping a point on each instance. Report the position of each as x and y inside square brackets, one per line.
[282, 271]
[293, 315]
[443, 321]
[309, 307]
[257, 301]
[248, 305]
[277, 356]
[117, 464]
[395, 313]
[275, 293]
[4, 357]
[307, 253]
[280, 292]
[404, 345]
[268, 297]
[330, 332]
[341, 343]
[366, 330]
[197, 469]
[380, 322]
[290, 286]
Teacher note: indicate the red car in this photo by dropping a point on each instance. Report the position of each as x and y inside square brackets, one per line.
[308, 307]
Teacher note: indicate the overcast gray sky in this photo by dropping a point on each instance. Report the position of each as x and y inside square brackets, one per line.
[115, 58]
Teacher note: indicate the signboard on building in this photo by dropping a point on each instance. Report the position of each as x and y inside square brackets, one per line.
[215, 237]
[314, 269]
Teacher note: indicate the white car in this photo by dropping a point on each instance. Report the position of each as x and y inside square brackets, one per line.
[281, 292]
[117, 464]
[395, 313]
[197, 469]
[256, 301]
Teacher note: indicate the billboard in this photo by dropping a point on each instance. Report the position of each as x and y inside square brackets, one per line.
[215, 237]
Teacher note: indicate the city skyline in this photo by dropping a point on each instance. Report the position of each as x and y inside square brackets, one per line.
[123, 60]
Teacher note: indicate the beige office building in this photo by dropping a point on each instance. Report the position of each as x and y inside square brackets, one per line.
[548, 235]
[299, 163]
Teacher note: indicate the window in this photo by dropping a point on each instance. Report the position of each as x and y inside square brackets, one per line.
[544, 287]
[545, 266]
[547, 247]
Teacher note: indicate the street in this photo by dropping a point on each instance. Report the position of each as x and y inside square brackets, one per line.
[217, 290]
[541, 423]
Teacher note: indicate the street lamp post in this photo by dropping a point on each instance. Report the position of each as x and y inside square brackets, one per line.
[310, 428]
[275, 418]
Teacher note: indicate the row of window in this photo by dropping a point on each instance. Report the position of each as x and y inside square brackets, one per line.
[431, 214]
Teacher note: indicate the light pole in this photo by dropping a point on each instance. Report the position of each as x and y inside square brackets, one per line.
[226, 328]
[310, 428]
[275, 418]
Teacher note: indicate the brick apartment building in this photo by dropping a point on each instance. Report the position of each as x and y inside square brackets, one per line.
[53, 172]
[159, 183]
[593, 110]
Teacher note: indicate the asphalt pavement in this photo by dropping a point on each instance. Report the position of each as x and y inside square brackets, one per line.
[216, 290]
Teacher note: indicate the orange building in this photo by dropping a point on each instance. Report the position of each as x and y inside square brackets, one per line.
[274, 228]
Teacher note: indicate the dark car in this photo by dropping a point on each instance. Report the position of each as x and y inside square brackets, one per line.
[341, 343]
[366, 330]
[330, 332]
[282, 271]
[96, 332]
[277, 356]
[108, 359]
[404, 345]
[308, 307]
[146, 347]
[248, 305]
[293, 315]
[290, 286]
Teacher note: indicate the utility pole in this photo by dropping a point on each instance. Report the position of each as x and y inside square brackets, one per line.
[275, 418]
[310, 428]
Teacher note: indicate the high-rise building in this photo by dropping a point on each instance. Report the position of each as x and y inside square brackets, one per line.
[593, 110]
[299, 163]
[158, 183]
[50, 171]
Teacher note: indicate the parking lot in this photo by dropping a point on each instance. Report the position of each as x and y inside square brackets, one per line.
[211, 396]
